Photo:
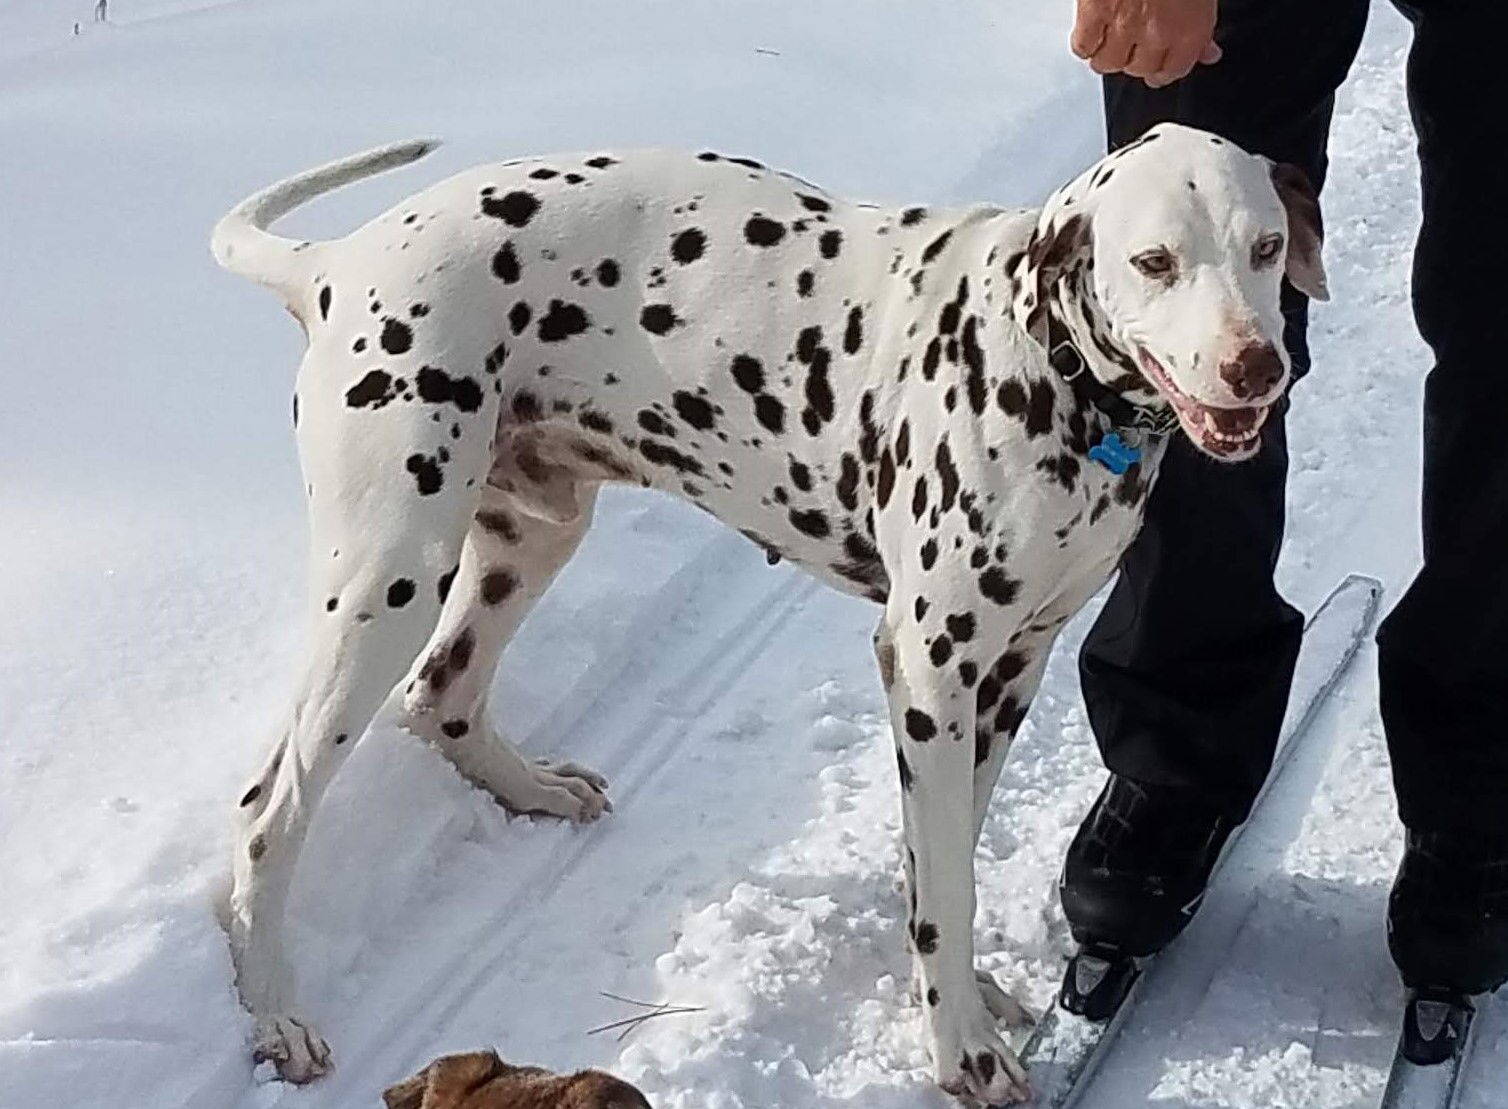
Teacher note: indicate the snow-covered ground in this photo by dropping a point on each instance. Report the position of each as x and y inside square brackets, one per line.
[151, 578]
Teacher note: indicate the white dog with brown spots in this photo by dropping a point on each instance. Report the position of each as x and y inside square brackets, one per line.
[957, 414]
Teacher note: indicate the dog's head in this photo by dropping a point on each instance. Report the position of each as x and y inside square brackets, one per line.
[481, 1080]
[1165, 262]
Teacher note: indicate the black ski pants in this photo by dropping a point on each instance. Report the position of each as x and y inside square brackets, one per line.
[1186, 674]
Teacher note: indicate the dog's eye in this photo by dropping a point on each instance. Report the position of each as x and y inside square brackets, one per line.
[1266, 250]
[1158, 263]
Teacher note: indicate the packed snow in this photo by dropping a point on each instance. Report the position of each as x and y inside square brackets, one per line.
[152, 578]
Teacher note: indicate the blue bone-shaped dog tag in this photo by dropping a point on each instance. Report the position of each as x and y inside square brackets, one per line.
[1115, 454]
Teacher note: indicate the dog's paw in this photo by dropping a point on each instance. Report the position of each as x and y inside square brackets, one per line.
[564, 789]
[292, 1047]
[976, 1067]
[576, 770]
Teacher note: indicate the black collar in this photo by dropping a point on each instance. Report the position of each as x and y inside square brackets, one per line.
[1123, 415]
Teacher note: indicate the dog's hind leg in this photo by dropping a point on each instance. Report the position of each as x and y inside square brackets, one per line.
[386, 528]
[510, 559]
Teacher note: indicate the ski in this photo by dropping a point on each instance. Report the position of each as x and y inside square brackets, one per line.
[1100, 987]
[1432, 1051]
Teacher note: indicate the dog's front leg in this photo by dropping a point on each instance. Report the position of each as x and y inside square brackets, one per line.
[933, 715]
[1002, 699]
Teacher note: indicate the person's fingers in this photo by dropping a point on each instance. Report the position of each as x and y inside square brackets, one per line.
[1121, 46]
[1114, 53]
[1147, 61]
[1088, 32]
[1176, 63]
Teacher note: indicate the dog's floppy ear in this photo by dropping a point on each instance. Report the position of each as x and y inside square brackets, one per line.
[1056, 245]
[445, 1082]
[408, 1094]
[1305, 268]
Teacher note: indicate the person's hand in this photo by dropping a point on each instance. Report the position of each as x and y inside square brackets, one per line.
[1159, 41]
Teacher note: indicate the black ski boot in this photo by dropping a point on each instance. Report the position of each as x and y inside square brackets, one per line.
[1448, 913]
[1134, 877]
[1137, 869]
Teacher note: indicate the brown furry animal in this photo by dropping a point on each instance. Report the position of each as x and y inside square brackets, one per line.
[480, 1080]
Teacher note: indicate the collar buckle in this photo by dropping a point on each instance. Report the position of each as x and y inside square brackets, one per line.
[1067, 360]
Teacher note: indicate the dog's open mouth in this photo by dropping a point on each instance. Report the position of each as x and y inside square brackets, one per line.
[1229, 434]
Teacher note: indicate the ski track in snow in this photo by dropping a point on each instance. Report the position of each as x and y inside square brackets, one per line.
[751, 866]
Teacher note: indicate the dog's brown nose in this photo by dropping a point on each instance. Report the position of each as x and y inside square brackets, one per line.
[1255, 372]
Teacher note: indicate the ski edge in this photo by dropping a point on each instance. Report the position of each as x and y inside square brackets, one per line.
[1088, 1043]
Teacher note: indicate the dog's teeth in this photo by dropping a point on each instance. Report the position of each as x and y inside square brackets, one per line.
[1210, 425]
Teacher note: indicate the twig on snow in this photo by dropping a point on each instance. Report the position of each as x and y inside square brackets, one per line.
[630, 1024]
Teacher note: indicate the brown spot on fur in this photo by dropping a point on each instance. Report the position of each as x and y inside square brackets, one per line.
[460, 650]
[887, 478]
[435, 672]
[498, 586]
[526, 408]
[499, 524]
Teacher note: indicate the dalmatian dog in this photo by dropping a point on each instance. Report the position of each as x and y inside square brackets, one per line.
[954, 413]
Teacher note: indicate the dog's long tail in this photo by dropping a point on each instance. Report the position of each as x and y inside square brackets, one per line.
[242, 243]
